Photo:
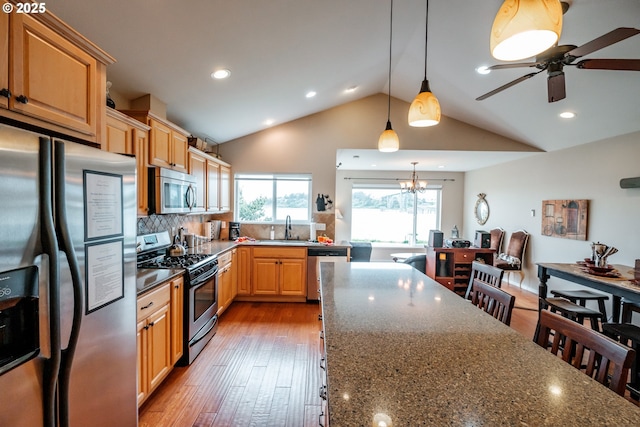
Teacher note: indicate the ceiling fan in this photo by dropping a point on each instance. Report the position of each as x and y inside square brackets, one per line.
[554, 59]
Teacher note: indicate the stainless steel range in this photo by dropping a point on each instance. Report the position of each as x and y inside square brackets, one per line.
[201, 289]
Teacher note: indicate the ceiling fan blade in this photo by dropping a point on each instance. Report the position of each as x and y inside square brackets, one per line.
[610, 64]
[556, 88]
[514, 65]
[508, 85]
[603, 41]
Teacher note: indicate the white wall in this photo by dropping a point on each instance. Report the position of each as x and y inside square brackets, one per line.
[592, 172]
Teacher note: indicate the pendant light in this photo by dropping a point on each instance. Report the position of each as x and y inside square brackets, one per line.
[425, 108]
[525, 28]
[389, 141]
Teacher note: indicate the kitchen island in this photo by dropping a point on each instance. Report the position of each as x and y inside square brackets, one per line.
[400, 345]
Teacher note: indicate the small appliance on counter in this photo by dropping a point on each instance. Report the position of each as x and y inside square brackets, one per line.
[435, 238]
[457, 243]
[483, 239]
[234, 230]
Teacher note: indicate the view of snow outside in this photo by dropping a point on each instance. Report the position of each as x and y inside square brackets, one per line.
[387, 215]
[255, 198]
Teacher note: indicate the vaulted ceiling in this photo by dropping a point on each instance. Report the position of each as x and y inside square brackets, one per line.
[278, 50]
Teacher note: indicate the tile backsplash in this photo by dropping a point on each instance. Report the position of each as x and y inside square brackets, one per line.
[193, 224]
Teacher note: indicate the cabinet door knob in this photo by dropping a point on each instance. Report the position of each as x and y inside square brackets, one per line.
[22, 99]
[5, 93]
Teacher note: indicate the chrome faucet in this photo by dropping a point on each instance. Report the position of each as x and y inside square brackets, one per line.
[287, 228]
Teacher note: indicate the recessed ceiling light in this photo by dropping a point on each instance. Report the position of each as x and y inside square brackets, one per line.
[351, 89]
[310, 94]
[483, 69]
[440, 166]
[220, 74]
[374, 165]
[567, 115]
[268, 122]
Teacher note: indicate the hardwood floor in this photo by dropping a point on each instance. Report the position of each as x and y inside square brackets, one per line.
[262, 369]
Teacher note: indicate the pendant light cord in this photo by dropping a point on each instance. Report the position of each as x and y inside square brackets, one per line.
[390, 41]
[426, 32]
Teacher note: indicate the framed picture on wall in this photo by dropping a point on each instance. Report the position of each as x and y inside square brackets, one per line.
[566, 219]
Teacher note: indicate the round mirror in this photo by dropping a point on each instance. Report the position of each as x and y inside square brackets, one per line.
[481, 210]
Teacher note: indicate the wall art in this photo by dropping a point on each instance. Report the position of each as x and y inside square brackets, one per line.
[566, 219]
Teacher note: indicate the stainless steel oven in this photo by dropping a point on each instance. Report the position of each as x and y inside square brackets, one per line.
[171, 192]
[201, 313]
[201, 290]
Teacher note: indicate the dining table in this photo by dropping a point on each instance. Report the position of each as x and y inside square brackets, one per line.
[402, 350]
[620, 283]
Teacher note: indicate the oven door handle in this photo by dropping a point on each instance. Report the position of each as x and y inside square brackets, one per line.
[205, 277]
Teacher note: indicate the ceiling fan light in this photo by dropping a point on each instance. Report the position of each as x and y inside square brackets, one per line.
[388, 141]
[425, 108]
[525, 28]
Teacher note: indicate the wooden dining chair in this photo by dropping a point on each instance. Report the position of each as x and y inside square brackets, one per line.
[607, 361]
[485, 272]
[492, 300]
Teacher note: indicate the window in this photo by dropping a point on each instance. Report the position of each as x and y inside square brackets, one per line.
[381, 213]
[269, 198]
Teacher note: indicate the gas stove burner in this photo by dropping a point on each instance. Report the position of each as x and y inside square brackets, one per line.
[182, 261]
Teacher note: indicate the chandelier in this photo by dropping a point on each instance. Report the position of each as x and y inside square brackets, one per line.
[414, 185]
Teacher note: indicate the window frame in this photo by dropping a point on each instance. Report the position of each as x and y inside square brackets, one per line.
[413, 241]
[274, 178]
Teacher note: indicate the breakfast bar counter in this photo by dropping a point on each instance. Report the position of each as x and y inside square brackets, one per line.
[405, 350]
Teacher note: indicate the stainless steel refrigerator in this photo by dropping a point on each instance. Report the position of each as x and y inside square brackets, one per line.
[67, 284]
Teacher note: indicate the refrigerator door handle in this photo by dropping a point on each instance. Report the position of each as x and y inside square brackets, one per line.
[66, 245]
[50, 248]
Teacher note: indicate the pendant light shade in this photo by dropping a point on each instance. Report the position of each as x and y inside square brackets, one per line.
[525, 28]
[425, 108]
[389, 141]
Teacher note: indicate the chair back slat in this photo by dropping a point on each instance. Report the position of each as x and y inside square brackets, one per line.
[608, 361]
[485, 272]
[492, 300]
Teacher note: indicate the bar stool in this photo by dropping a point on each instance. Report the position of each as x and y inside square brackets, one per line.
[574, 311]
[628, 334]
[582, 296]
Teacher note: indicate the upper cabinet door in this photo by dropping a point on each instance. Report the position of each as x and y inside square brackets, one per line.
[51, 78]
[160, 146]
[4, 60]
[179, 148]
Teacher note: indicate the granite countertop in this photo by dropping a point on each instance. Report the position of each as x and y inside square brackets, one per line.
[149, 278]
[400, 345]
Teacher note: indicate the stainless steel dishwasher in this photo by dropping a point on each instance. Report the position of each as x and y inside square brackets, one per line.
[316, 255]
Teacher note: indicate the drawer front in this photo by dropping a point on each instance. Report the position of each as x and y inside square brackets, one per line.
[150, 302]
[448, 283]
[279, 252]
[224, 259]
[463, 256]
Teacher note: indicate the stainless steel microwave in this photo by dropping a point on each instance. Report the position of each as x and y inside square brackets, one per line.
[171, 192]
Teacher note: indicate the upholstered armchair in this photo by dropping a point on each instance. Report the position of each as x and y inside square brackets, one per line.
[512, 260]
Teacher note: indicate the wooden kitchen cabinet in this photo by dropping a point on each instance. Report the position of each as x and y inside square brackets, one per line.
[52, 76]
[159, 334]
[243, 269]
[213, 185]
[126, 135]
[198, 169]
[177, 319]
[279, 271]
[168, 147]
[224, 202]
[225, 281]
[154, 339]
[451, 267]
